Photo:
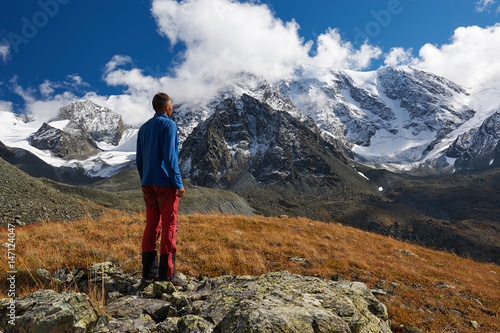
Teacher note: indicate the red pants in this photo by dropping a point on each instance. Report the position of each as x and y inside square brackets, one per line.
[161, 214]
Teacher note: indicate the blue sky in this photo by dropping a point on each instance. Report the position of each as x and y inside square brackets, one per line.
[56, 51]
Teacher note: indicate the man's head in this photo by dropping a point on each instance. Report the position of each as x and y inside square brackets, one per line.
[162, 103]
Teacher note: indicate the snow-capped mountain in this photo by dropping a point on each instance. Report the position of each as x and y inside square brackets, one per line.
[83, 136]
[393, 116]
[100, 122]
[397, 118]
[248, 139]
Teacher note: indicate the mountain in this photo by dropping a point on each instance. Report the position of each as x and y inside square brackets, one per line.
[397, 118]
[25, 199]
[369, 149]
[100, 122]
[69, 142]
[36, 167]
[248, 137]
[478, 148]
[393, 117]
[77, 143]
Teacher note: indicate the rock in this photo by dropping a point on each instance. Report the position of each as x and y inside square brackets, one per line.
[273, 315]
[169, 325]
[163, 287]
[63, 275]
[194, 324]
[48, 311]
[273, 302]
[43, 273]
[281, 301]
[132, 313]
[475, 324]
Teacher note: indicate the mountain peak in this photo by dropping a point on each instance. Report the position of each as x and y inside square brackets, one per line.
[101, 123]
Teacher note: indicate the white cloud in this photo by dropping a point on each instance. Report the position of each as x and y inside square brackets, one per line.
[116, 61]
[46, 101]
[399, 56]
[5, 52]
[135, 109]
[333, 52]
[6, 106]
[47, 88]
[76, 81]
[223, 37]
[226, 37]
[470, 58]
[484, 5]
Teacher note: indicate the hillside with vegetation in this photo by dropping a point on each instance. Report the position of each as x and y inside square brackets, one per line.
[432, 290]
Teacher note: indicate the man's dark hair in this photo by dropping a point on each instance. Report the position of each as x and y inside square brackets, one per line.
[160, 101]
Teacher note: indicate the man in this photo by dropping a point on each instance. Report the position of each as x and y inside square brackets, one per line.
[158, 167]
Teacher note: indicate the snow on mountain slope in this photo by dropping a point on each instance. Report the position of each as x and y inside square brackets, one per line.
[394, 117]
[397, 118]
[15, 131]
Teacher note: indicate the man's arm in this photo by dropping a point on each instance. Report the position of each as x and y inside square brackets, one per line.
[138, 156]
[171, 155]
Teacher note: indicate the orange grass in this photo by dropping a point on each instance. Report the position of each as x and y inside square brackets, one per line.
[433, 290]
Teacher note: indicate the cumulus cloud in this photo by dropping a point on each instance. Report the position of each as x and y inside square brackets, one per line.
[134, 108]
[223, 37]
[335, 53]
[226, 37]
[399, 56]
[471, 58]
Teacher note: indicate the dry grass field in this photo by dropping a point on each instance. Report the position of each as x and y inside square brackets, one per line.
[433, 290]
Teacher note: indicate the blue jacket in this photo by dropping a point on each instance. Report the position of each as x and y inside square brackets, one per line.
[158, 152]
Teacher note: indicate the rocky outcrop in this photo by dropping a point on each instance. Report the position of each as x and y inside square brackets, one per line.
[47, 311]
[273, 302]
[71, 142]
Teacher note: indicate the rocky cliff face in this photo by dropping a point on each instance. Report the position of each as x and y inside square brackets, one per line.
[477, 148]
[70, 142]
[273, 302]
[100, 122]
[245, 136]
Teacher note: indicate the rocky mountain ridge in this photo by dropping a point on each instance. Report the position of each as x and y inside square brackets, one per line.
[70, 142]
[101, 123]
[398, 118]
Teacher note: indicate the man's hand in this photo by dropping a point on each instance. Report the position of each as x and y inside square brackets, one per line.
[180, 192]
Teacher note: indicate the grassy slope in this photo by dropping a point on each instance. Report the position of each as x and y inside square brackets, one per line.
[435, 291]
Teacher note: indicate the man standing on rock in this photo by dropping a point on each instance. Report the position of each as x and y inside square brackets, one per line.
[157, 163]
